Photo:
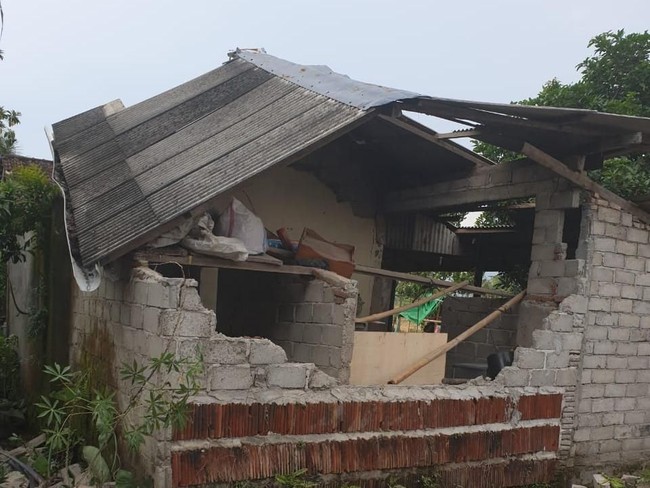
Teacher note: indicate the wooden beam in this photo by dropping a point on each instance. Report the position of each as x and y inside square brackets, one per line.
[367, 270]
[506, 181]
[459, 134]
[583, 181]
[212, 262]
[451, 147]
[461, 337]
[415, 304]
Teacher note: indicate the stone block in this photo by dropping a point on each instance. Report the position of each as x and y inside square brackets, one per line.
[548, 252]
[289, 375]
[528, 358]
[136, 319]
[566, 377]
[615, 391]
[542, 377]
[263, 351]
[150, 319]
[603, 376]
[604, 244]
[320, 380]
[604, 347]
[190, 299]
[613, 260]
[635, 263]
[512, 376]
[600, 304]
[542, 286]
[626, 248]
[609, 215]
[546, 339]
[314, 291]
[321, 355]
[312, 334]
[560, 322]
[323, 313]
[574, 304]
[302, 352]
[183, 323]
[304, 312]
[551, 268]
[603, 405]
[332, 335]
[233, 377]
[625, 376]
[224, 350]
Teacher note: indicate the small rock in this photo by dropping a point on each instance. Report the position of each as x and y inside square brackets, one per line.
[320, 380]
[578, 486]
[630, 481]
[601, 482]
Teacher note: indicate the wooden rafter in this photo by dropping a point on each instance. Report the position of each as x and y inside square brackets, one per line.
[583, 181]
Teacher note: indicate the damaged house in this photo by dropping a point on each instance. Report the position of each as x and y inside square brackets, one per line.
[298, 358]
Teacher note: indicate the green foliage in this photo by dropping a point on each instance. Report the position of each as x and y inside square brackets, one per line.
[430, 482]
[26, 198]
[8, 119]
[615, 482]
[406, 292]
[294, 480]
[153, 403]
[615, 79]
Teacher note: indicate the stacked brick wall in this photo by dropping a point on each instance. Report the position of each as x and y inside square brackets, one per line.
[478, 437]
[316, 321]
[149, 315]
[311, 318]
[613, 424]
[552, 318]
[458, 314]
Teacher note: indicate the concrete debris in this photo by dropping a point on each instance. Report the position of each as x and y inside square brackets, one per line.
[601, 482]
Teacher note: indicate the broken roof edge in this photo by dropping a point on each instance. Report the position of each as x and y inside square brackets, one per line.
[324, 81]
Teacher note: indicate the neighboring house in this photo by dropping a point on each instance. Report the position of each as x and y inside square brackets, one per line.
[305, 147]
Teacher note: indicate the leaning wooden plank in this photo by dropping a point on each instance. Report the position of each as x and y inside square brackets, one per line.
[454, 342]
[396, 275]
[415, 304]
[582, 181]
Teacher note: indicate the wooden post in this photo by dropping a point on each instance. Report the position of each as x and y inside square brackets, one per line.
[417, 303]
[453, 343]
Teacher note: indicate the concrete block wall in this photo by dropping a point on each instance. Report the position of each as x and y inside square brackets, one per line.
[613, 414]
[315, 321]
[552, 317]
[458, 314]
[149, 315]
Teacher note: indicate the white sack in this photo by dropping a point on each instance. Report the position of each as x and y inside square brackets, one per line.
[239, 222]
[202, 240]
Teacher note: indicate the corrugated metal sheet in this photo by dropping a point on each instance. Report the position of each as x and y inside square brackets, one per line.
[417, 232]
[128, 172]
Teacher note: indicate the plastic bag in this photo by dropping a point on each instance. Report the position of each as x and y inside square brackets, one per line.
[202, 240]
[239, 222]
[175, 235]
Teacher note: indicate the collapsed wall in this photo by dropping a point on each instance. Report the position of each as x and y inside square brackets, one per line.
[260, 415]
[585, 324]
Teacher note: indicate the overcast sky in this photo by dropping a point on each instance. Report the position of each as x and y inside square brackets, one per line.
[67, 56]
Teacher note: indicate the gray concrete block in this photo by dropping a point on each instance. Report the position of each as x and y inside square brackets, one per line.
[183, 323]
[190, 299]
[137, 316]
[224, 350]
[626, 248]
[625, 376]
[234, 377]
[574, 304]
[548, 252]
[604, 244]
[528, 358]
[289, 375]
[609, 215]
[332, 335]
[312, 333]
[304, 312]
[613, 260]
[323, 313]
[314, 290]
[263, 351]
[566, 377]
[512, 376]
[542, 286]
[542, 377]
[320, 380]
[150, 319]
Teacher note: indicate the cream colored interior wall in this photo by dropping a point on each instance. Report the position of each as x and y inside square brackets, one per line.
[286, 197]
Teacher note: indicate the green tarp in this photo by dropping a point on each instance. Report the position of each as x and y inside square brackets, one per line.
[420, 313]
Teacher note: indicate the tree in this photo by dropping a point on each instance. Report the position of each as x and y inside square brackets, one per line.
[616, 79]
[8, 118]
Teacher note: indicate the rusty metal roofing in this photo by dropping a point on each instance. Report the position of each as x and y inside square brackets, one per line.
[129, 173]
